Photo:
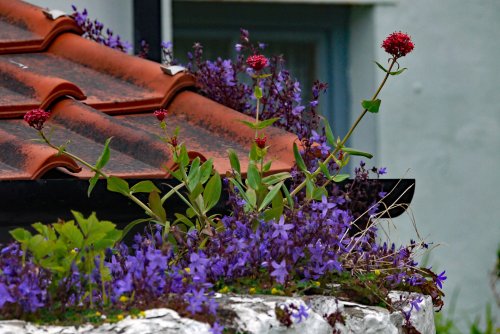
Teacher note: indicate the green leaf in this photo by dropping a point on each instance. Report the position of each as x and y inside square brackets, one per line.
[260, 125]
[398, 72]
[324, 170]
[340, 177]
[212, 192]
[154, 204]
[92, 182]
[241, 191]
[253, 152]
[371, 105]
[253, 176]
[235, 162]
[287, 196]
[298, 158]
[206, 170]
[352, 151]
[197, 191]
[265, 123]
[144, 187]
[46, 231]
[330, 138]
[194, 175]
[183, 219]
[252, 197]
[118, 185]
[171, 192]
[275, 178]
[391, 73]
[257, 92]
[20, 234]
[72, 234]
[318, 193]
[104, 158]
[267, 167]
[309, 188]
[381, 67]
[176, 173]
[184, 157]
[131, 225]
[251, 125]
[270, 195]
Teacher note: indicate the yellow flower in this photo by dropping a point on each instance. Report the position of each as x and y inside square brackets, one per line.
[252, 291]
[275, 291]
[317, 283]
[98, 314]
[123, 299]
[184, 280]
[73, 251]
[188, 270]
[119, 317]
[377, 272]
[142, 314]
[224, 290]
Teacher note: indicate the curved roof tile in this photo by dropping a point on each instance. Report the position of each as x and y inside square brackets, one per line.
[117, 94]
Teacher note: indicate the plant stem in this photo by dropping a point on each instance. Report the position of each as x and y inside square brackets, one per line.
[257, 111]
[349, 133]
[97, 171]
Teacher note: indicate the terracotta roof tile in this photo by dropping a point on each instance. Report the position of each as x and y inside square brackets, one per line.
[25, 28]
[112, 81]
[113, 88]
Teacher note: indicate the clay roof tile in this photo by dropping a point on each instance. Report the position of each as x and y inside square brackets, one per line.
[44, 64]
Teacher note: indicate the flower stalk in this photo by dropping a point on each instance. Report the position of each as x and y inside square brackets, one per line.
[351, 130]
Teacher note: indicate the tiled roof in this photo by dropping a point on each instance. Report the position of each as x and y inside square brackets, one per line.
[95, 92]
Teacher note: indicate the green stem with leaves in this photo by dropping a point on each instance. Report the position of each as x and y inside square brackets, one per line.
[97, 171]
[351, 130]
[257, 107]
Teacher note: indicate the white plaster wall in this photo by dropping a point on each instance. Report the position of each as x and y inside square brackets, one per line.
[441, 119]
[115, 14]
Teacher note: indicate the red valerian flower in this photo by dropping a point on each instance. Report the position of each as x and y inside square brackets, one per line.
[36, 118]
[261, 142]
[257, 62]
[173, 141]
[160, 114]
[398, 44]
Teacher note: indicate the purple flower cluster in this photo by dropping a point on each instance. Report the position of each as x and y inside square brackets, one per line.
[218, 79]
[94, 30]
[223, 80]
[23, 287]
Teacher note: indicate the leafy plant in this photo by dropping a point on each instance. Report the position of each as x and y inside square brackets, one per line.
[63, 246]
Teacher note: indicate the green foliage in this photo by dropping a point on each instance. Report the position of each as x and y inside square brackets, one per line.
[203, 188]
[372, 106]
[261, 124]
[100, 163]
[398, 72]
[263, 195]
[77, 242]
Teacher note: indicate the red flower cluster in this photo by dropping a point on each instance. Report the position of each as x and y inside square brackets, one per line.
[36, 118]
[261, 142]
[398, 44]
[160, 114]
[173, 141]
[257, 62]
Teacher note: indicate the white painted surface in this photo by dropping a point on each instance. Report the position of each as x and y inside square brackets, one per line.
[166, 22]
[441, 119]
[115, 14]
